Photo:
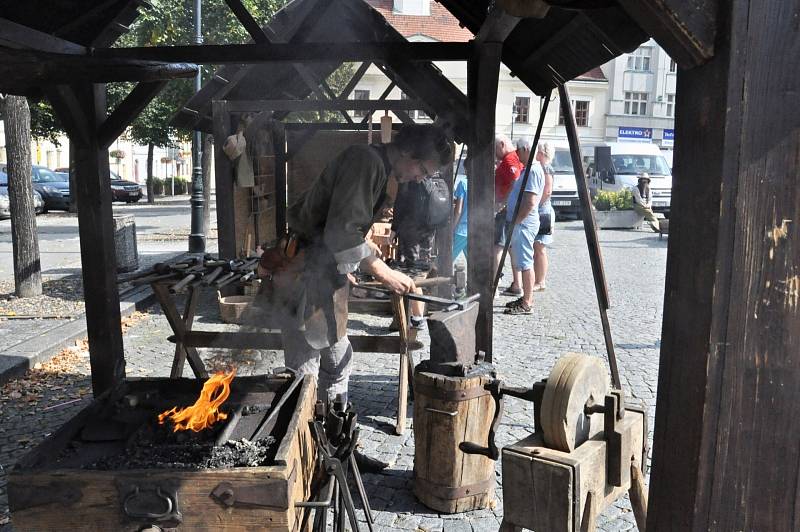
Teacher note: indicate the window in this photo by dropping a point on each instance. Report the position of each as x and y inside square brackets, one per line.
[412, 7]
[360, 94]
[635, 103]
[640, 59]
[415, 114]
[670, 105]
[521, 110]
[673, 66]
[580, 108]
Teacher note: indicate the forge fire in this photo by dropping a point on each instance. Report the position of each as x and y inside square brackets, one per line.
[205, 411]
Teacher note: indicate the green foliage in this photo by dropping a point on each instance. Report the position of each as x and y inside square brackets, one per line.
[614, 201]
[169, 23]
[44, 124]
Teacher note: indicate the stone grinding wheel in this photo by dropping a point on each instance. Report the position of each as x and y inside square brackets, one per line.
[574, 380]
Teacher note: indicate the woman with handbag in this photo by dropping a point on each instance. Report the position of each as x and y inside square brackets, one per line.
[547, 217]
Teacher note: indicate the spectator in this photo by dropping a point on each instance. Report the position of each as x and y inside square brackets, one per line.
[414, 239]
[460, 224]
[547, 217]
[642, 201]
[526, 227]
[505, 175]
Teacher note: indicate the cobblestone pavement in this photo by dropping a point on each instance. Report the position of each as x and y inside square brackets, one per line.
[565, 320]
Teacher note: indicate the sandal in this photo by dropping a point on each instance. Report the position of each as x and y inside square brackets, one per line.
[522, 308]
[510, 291]
[514, 303]
[539, 287]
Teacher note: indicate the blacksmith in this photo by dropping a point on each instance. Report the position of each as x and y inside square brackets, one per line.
[329, 223]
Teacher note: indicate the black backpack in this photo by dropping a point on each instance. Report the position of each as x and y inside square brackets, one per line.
[439, 203]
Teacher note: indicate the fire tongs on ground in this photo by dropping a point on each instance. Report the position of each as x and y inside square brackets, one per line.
[335, 434]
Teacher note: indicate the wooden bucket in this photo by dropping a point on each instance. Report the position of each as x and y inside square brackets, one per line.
[448, 411]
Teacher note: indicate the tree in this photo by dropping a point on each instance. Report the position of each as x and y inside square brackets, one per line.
[24, 238]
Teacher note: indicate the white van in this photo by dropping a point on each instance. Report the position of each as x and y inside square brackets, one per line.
[565, 193]
[617, 165]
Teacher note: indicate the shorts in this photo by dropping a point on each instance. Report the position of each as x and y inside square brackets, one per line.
[522, 244]
[500, 228]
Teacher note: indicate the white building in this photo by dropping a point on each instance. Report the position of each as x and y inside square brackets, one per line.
[641, 97]
[518, 109]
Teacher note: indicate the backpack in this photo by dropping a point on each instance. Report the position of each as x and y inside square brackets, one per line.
[439, 205]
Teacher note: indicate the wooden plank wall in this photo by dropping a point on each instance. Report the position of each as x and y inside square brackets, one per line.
[726, 447]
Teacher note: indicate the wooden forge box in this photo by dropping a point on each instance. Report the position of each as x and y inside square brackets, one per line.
[51, 488]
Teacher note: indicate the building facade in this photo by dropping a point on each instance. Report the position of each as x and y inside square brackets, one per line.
[641, 97]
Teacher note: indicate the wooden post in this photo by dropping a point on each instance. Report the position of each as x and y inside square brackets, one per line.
[98, 261]
[399, 311]
[223, 174]
[726, 444]
[279, 145]
[483, 71]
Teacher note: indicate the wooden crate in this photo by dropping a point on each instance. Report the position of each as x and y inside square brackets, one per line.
[45, 498]
[380, 235]
[545, 489]
[448, 411]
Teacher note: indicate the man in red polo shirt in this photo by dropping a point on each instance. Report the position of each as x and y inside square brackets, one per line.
[508, 170]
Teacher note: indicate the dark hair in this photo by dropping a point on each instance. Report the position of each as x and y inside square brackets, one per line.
[425, 142]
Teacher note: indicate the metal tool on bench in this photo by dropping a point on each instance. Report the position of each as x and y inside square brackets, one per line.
[448, 304]
[335, 433]
[585, 438]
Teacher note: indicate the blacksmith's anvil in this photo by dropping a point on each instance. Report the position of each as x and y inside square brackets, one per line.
[452, 334]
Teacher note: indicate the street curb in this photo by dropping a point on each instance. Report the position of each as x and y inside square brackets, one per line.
[19, 358]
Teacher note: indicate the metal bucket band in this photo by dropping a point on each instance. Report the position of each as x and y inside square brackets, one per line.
[450, 395]
[450, 493]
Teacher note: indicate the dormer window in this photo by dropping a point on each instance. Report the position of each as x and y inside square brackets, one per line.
[412, 7]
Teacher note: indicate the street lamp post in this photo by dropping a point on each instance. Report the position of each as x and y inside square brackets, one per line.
[197, 240]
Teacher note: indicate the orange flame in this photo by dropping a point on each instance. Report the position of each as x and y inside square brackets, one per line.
[205, 411]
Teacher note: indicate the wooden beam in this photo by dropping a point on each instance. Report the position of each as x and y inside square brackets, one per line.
[334, 126]
[223, 175]
[279, 145]
[98, 260]
[357, 75]
[726, 447]
[686, 30]
[498, 25]
[127, 111]
[15, 35]
[250, 106]
[247, 20]
[70, 113]
[338, 52]
[483, 73]
[31, 68]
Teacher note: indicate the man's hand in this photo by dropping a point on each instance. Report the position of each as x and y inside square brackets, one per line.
[398, 282]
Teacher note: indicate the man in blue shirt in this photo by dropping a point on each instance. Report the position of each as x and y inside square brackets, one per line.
[526, 226]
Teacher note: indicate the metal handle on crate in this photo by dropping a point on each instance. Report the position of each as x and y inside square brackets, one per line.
[136, 494]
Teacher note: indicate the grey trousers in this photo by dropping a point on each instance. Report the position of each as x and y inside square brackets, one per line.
[332, 365]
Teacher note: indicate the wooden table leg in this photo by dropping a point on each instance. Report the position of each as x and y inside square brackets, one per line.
[188, 321]
[589, 518]
[399, 310]
[177, 324]
[506, 526]
[638, 496]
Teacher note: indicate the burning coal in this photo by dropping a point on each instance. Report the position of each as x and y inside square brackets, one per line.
[205, 411]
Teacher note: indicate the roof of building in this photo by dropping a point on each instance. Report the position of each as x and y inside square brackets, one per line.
[595, 74]
[440, 25]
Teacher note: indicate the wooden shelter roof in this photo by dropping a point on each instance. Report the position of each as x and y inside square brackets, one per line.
[309, 21]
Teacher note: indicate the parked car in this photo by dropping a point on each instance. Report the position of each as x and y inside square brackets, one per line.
[121, 189]
[5, 202]
[53, 188]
